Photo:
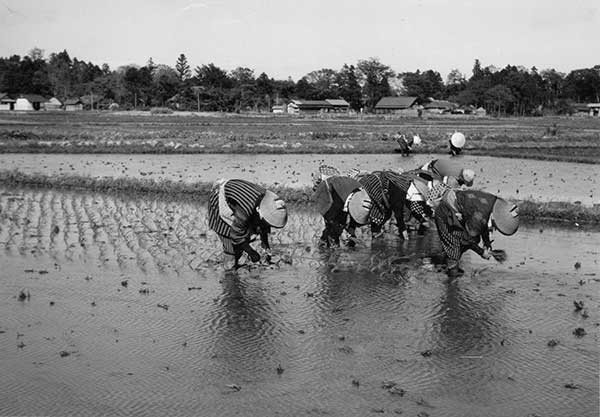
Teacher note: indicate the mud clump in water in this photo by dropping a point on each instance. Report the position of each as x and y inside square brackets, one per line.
[23, 295]
[393, 388]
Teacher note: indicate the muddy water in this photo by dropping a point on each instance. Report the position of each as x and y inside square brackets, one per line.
[129, 312]
[511, 178]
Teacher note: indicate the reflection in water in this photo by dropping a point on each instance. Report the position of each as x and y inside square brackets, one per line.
[380, 311]
[465, 321]
[246, 328]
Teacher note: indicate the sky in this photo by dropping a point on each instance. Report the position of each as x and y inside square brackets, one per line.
[290, 38]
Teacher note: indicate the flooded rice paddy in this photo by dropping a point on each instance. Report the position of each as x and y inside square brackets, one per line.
[512, 178]
[114, 305]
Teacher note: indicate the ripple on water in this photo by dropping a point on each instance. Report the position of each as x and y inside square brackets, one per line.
[379, 312]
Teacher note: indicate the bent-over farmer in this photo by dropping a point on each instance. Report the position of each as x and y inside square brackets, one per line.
[457, 142]
[466, 217]
[388, 192]
[406, 144]
[238, 209]
[450, 172]
[344, 205]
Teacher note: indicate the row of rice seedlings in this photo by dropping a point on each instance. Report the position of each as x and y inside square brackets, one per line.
[12, 210]
[158, 234]
[57, 234]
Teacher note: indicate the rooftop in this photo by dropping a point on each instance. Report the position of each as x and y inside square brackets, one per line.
[401, 102]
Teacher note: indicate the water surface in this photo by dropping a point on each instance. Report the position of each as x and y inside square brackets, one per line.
[510, 178]
[132, 293]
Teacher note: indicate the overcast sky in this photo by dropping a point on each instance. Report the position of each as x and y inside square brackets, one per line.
[291, 38]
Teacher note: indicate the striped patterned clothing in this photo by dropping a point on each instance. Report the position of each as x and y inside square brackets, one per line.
[242, 197]
[452, 235]
[378, 185]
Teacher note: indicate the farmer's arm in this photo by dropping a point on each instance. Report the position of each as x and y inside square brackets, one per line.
[485, 237]
[473, 243]
[263, 230]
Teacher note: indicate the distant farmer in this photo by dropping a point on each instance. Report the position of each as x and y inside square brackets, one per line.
[464, 218]
[457, 142]
[344, 205]
[388, 191]
[406, 144]
[451, 172]
[239, 209]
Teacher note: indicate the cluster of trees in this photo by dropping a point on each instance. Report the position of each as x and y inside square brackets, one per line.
[511, 90]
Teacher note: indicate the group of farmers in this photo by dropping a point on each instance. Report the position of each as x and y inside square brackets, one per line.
[437, 192]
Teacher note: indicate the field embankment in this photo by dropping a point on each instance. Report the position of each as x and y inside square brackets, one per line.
[530, 211]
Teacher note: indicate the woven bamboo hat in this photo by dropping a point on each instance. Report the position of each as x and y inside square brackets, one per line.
[359, 206]
[272, 209]
[458, 140]
[505, 216]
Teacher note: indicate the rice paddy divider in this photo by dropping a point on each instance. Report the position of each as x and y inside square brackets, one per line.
[530, 211]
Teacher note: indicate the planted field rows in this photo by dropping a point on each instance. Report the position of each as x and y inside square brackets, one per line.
[151, 234]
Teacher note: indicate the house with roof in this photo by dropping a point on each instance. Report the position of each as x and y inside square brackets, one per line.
[308, 106]
[279, 108]
[73, 104]
[29, 102]
[480, 111]
[338, 105]
[467, 109]
[579, 109]
[330, 105]
[53, 104]
[440, 106]
[594, 109]
[6, 103]
[396, 104]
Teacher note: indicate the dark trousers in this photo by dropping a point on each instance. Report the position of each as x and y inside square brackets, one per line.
[336, 220]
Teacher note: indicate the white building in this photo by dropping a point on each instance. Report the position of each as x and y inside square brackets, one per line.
[29, 102]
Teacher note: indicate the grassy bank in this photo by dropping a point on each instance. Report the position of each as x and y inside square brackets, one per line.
[576, 139]
[530, 211]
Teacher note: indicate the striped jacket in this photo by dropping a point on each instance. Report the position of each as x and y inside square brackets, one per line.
[378, 185]
[243, 198]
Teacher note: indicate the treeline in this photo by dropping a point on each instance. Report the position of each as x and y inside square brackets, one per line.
[513, 90]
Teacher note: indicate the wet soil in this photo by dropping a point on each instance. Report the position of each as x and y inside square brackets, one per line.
[518, 179]
[120, 306]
